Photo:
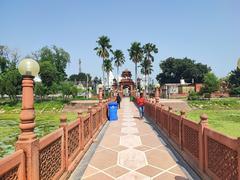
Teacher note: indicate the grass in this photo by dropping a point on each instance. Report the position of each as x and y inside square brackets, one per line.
[223, 114]
[47, 120]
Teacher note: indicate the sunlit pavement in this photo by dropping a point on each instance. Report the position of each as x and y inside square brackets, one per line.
[130, 149]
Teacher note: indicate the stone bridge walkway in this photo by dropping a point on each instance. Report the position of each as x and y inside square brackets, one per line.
[130, 149]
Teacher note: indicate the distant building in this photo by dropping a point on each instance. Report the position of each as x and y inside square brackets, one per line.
[177, 90]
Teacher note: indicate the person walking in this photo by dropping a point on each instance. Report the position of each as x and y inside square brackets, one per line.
[118, 99]
[141, 103]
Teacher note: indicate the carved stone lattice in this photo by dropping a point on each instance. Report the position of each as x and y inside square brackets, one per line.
[12, 174]
[175, 128]
[165, 121]
[86, 128]
[73, 140]
[191, 141]
[50, 160]
[222, 160]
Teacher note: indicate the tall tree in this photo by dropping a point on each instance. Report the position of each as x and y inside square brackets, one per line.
[234, 82]
[107, 66]
[8, 58]
[48, 73]
[175, 69]
[148, 49]
[234, 78]
[119, 60]
[136, 55]
[102, 50]
[57, 57]
[9, 76]
[210, 83]
[146, 69]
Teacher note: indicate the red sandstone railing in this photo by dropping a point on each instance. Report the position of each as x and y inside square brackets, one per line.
[211, 154]
[58, 153]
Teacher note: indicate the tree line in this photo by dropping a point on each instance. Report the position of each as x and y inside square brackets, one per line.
[139, 54]
[53, 62]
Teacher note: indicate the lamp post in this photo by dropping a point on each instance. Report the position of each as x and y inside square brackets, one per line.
[157, 94]
[27, 140]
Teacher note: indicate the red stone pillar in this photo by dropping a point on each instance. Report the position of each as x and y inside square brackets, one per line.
[161, 116]
[81, 132]
[91, 121]
[202, 124]
[169, 120]
[27, 140]
[100, 95]
[183, 115]
[157, 94]
[63, 124]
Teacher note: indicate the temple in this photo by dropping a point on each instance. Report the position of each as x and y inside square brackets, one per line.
[126, 84]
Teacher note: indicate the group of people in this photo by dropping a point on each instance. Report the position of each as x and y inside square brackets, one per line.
[140, 103]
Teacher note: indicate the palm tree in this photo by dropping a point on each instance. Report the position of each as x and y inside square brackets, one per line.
[146, 69]
[136, 55]
[148, 49]
[107, 66]
[102, 50]
[119, 60]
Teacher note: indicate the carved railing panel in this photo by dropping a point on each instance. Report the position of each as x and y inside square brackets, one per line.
[222, 160]
[86, 129]
[191, 140]
[174, 128]
[94, 122]
[73, 140]
[50, 160]
[165, 120]
[11, 174]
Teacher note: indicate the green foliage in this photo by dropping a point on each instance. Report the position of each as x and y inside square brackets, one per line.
[148, 49]
[65, 89]
[11, 83]
[103, 48]
[57, 59]
[224, 121]
[234, 78]
[54, 88]
[234, 82]
[223, 114]
[216, 104]
[119, 59]
[10, 78]
[47, 120]
[193, 96]
[40, 90]
[81, 77]
[146, 67]
[3, 64]
[210, 84]
[235, 91]
[74, 91]
[136, 55]
[136, 52]
[107, 66]
[175, 69]
[48, 73]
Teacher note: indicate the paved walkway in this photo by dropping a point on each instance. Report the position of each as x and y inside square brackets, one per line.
[132, 150]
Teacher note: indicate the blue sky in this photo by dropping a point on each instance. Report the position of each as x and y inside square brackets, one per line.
[207, 30]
